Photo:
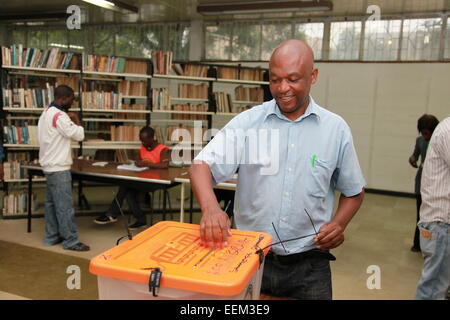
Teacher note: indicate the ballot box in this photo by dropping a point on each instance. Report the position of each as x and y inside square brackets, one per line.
[167, 261]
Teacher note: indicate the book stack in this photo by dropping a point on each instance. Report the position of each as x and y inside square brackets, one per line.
[12, 170]
[224, 102]
[98, 63]
[251, 74]
[131, 115]
[187, 108]
[24, 134]
[161, 99]
[183, 133]
[192, 91]
[16, 203]
[125, 133]
[102, 100]
[162, 61]
[249, 94]
[136, 66]
[133, 88]
[191, 70]
[72, 82]
[16, 55]
[227, 73]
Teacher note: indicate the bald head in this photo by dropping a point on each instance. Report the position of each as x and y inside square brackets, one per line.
[291, 73]
[293, 50]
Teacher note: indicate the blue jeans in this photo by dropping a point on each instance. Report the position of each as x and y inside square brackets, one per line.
[59, 211]
[435, 245]
[306, 279]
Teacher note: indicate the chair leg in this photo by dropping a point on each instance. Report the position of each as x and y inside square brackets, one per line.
[152, 197]
[166, 194]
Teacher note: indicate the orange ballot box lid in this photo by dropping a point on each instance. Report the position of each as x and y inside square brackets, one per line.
[175, 248]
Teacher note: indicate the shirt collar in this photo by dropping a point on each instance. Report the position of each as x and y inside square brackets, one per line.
[57, 106]
[312, 109]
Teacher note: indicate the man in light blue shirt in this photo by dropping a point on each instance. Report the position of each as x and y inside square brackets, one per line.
[291, 155]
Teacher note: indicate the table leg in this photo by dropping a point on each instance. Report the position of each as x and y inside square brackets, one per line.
[182, 203]
[30, 186]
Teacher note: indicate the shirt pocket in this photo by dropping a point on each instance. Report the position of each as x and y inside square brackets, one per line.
[319, 178]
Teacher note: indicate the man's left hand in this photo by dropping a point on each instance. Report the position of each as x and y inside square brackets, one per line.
[330, 236]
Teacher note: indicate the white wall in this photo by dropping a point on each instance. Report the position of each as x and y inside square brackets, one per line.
[381, 102]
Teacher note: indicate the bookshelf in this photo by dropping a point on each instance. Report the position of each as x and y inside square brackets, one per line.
[116, 96]
[116, 104]
[28, 77]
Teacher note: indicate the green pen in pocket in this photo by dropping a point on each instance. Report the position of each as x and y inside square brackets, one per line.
[313, 160]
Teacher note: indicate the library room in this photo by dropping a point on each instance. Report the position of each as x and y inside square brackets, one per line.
[183, 150]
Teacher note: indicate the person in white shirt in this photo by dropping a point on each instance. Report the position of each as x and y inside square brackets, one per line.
[56, 129]
[434, 221]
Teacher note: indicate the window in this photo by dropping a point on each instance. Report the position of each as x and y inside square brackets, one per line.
[272, 36]
[447, 41]
[79, 40]
[179, 41]
[18, 36]
[421, 39]
[57, 39]
[37, 39]
[381, 40]
[103, 40]
[217, 42]
[129, 42]
[152, 39]
[246, 41]
[345, 40]
[311, 33]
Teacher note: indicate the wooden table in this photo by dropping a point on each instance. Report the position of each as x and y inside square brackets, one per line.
[84, 170]
[183, 178]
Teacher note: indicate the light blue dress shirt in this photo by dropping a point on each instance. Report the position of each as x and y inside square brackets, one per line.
[285, 167]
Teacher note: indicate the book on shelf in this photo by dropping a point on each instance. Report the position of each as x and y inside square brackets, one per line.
[132, 115]
[240, 74]
[125, 133]
[184, 133]
[102, 100]
[192, 91]
[189, 108]
[161, 99]
[25, 134]
[190, 70]
[162, 61]
[224, 103]
[16, 203]
[133, 88]
[73, 82]
[112, 64]
[249, 94]
[17, 55]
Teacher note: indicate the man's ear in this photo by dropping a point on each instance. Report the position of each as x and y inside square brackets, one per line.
[314, 76]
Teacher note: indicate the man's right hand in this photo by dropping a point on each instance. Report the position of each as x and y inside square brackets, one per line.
[413, 162]
[74, 117]
[215, 228]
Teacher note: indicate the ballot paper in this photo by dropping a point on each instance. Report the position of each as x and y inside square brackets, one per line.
[100, 164]
[131, 167]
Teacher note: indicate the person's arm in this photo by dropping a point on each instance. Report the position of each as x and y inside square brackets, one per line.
[331, 234]
[164, 164]
[415, 156]
[215, 223]
[68, 128]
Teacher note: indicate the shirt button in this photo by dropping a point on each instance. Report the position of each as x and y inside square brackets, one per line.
[292, 145]
[286, 193]
[290, 169]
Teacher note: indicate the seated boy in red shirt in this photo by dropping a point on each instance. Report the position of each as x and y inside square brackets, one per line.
[152, 155]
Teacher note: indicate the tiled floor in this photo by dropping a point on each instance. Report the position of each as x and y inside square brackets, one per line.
[378, 238]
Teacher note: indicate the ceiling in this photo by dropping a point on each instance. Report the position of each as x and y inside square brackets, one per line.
[185, 10]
